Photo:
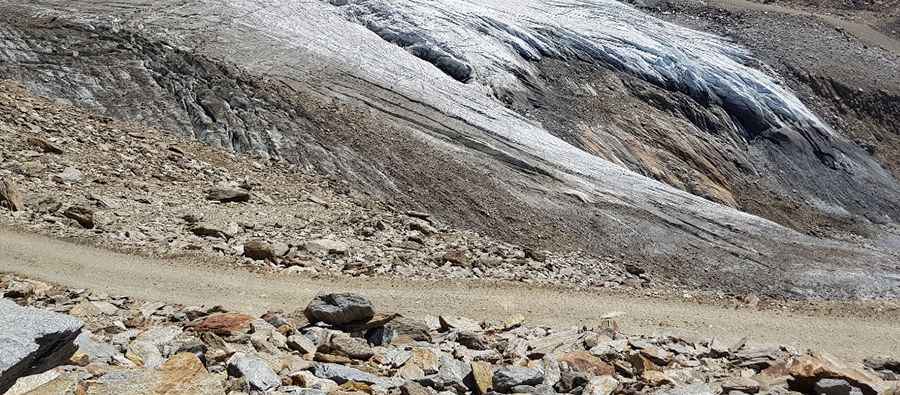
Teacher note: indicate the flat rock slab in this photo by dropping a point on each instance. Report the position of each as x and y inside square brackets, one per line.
[33, 340]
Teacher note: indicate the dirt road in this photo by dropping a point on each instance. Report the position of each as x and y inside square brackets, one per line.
[186, 282]
[862, 31]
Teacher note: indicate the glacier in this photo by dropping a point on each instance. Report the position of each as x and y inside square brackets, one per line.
[423, 77]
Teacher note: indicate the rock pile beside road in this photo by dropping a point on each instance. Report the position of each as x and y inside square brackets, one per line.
[342, 344]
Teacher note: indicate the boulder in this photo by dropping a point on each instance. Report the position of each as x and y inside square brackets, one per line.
[309, 380]
[33, 341]
[222, 231]
[835, 387]
[507, 377]
[339, 309]
[353, 347]
[342, 374]
[223, 324]
[483, 376]
[883, 363]
[326, 247]
[693, 389]
[413, 388]
[183, 373]
[301, 344]
[69, 175]
[473, 340]
[459, 323]
[806, 370]
[226, 194]
[10, 197]
[44, 146]
[584, 362]
[259, 250]
[602, 385]
[82, 215]
[27, 384]
[400, 330]
[257, 374]
[741, 384]
[144, 353]
[424, 358]
[451, 375]
[96, 351]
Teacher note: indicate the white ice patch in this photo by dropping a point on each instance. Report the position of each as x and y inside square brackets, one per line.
[497, 40]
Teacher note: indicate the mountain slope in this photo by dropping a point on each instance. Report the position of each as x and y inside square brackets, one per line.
[454, 107]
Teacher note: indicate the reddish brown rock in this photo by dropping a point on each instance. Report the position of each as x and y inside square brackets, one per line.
[584, 362]
[641, 364]
[224, 324]
[808, 369]
[44, 146]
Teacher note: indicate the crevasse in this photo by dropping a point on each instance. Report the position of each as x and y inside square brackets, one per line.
[495, 42]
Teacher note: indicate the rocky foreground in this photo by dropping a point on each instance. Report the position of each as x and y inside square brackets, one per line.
[76, 341]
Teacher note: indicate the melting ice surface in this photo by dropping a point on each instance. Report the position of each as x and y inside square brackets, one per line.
[495, 42]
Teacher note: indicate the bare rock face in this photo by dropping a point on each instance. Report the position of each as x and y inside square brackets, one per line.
[32, 341]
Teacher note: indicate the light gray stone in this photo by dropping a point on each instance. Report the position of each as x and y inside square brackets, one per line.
[507, 377]
[258, 375]
[341, 374]
[33, 340]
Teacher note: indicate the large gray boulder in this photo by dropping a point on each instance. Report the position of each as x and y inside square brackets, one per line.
[33, 341]
[508, 377]
[258, 375]
[339, 309]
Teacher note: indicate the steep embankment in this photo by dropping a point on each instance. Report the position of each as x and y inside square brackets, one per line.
[376, 94]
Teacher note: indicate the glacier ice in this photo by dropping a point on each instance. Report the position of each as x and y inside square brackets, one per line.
[497, 41]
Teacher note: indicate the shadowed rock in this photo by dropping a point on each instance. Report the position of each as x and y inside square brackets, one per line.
[33, 341]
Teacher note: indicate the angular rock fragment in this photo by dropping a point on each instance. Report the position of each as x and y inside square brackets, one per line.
[257, 374]
[82, 215]
[342, 374]
[69, 175]
[224, 324]
[583, 361]
[507, 377]
[259, 250]
[459, 323]
[227, 194]
[10, 197]
[183, 373]
[353, 347]
[339, 309]
[45, 146]
[326, 247]
[301, 344]
[602, 385]
[32, 341]
[483, 376]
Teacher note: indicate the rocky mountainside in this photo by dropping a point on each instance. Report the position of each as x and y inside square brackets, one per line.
[127, 187]
[561, 125]
[341, 344]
